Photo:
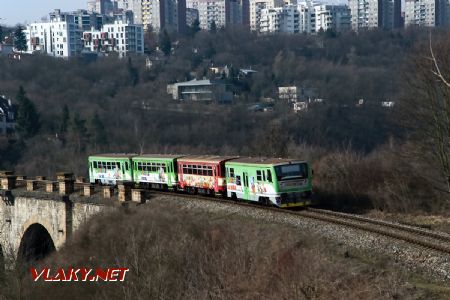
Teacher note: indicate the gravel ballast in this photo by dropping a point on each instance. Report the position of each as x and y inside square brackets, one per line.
[412, 257]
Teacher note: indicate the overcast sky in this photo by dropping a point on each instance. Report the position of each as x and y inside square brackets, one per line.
[13, 12]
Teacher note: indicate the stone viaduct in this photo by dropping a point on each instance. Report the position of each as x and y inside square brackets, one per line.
[38, 216]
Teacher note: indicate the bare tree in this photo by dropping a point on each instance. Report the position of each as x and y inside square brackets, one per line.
[426, 108]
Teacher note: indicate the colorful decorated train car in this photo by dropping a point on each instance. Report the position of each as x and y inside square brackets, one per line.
[156, 171]
[203, 173]
[270, 181]
[281, 182]
[110, 168]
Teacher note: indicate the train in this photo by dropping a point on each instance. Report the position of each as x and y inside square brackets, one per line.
[276, 182]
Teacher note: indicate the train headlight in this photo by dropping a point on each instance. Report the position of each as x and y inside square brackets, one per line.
[278, 199]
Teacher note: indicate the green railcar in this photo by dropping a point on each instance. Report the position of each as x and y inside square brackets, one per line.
[110, 168]
[281, 182]
[156, 170]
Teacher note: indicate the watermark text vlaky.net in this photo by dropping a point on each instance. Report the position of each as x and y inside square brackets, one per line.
[78, 274]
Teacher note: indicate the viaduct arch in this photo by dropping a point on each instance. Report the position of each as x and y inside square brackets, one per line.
[36, 243]
[32, 227]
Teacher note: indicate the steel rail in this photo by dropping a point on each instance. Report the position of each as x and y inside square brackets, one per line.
[396, 231]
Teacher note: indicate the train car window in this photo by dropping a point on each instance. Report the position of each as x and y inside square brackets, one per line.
[238, 180]
[95, 165]
[126, 165]
[269, 176]
[210, 172]
[184, 169]
[232, 172]
[264, 175]
[118, 165]
[258, 175]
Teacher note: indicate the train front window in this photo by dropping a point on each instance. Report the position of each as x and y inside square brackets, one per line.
[295, 171]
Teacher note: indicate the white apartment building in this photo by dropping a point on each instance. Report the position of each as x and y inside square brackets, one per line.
[331, 17]
[222, 12]
[422, 13]
[286, 19]
[375, 13]
[305, 18]
[119, 37]
[256, 6]
[164, 14]
[364, 13]
[61, 37]
[323, 18]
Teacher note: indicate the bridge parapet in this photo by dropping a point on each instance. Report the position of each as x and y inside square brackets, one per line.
[56, 208]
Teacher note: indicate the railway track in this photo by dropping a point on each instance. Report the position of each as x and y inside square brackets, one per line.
[425, 238]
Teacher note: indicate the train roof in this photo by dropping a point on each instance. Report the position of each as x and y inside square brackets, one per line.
[114, 155]
[265, 161]
[169, 156]
[206, 158]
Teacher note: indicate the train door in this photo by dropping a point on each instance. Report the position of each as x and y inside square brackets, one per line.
[216, 178]
[245, 188]
[168, 172]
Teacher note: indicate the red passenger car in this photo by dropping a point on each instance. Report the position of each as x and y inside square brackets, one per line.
[203, 173]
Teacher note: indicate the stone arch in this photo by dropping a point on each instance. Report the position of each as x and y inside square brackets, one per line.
[35, 244]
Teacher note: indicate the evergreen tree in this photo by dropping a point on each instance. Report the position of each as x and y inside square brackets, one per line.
[164, 42]
[20, 41]
[65, 118]
[27, 116]
[132, 72]
[213, 27]
[98, 134]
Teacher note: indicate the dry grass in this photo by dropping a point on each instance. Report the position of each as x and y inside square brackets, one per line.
[390, 179]
[174, 253]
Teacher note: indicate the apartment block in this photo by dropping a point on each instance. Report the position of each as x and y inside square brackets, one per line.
[285, 19]
[366, 14]
[426, 13]
[331, 17]
[222, 12]
[255, 10]
[119, 37]
[161, 14]
[60, 37]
